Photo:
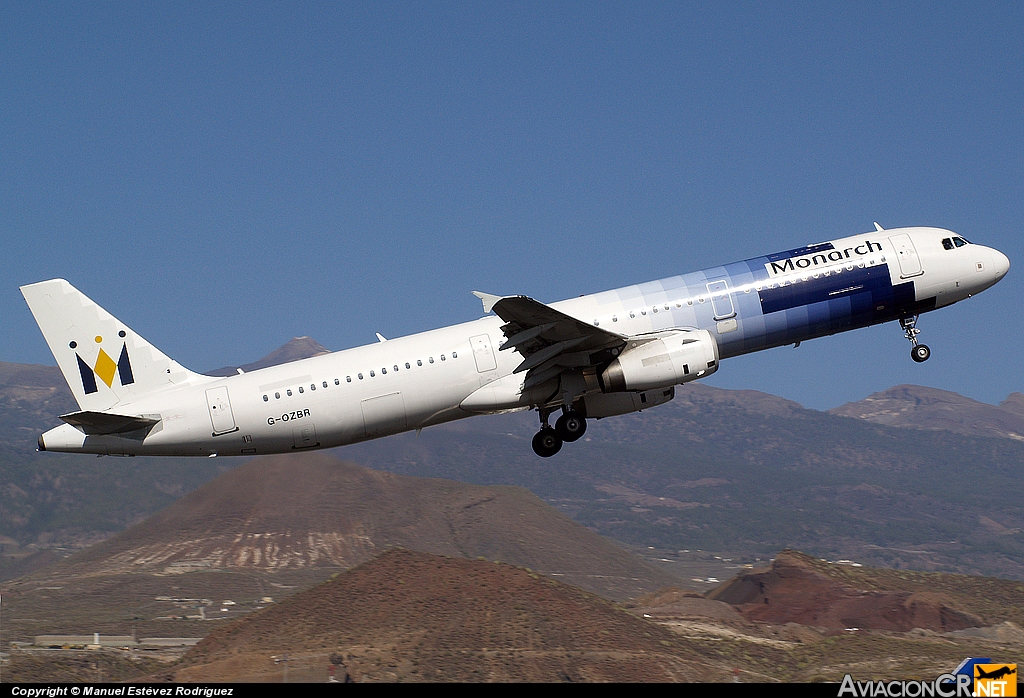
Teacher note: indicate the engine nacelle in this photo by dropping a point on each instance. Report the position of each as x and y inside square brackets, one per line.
[661, 361]
[600, 405]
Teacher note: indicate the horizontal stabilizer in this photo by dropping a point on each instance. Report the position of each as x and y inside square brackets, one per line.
[97, 423]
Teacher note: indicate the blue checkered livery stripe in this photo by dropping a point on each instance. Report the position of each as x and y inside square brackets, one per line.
[776, 314]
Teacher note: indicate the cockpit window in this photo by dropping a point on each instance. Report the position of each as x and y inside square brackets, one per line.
[947, 244]
[959, 242]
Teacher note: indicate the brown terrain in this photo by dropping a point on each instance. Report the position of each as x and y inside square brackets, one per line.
[413, 616]
[792, 590]
[277, 525]
[450, 581]
[929, 408]
[306, 511]
[407, 615]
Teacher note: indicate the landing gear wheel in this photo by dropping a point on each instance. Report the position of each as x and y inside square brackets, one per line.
[547, 442]
[571, 426]
[920, 353]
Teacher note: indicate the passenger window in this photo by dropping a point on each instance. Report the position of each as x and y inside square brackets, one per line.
[678, 304]
[419, 362]
[266, 398]
[288, 392]
[632, 314]
[596, 323]
[348, 379]
[454, 355]
[301, 390]
[407, 365]
[277, 396]
[689, 301]
[947, 244]
[666, 306]
[430, 359]
[360, 376]
[442, 357]
[614, 319]
[383, 372]
[312, 386]
[654, 308]
[372, 374]
[643, 311]
[396, 368]
[335, 382]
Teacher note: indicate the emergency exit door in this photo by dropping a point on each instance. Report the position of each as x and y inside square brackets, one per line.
[483, 353]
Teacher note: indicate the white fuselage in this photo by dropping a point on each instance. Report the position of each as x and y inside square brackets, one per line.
[437, 376]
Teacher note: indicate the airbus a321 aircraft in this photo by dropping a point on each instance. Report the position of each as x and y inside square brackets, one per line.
[594, 356]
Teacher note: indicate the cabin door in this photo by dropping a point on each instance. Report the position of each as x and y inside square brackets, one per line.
[906, 253]
[220, 410]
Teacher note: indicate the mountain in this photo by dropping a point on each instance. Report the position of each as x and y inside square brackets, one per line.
[31, 398]
[306, 511]
[410, 616]
[739, 473]
[293, 350]
[744, 474]
[68, 502]
[929, 408]
[798, 588]
[792, 590]
[276, 525]
[53, 500]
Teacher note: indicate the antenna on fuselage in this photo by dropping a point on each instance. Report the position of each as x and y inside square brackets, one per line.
[879, 228]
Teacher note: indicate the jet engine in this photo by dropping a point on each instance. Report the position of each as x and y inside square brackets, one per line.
[661, 360]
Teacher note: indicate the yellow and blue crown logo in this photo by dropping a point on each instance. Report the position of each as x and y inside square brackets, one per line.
[105, 368]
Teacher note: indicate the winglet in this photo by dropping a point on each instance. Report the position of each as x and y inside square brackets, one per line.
[488, 299]
[879, 228]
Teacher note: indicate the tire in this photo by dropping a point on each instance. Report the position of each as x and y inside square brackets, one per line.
[547, 442]
[571, 426]
[920, 353]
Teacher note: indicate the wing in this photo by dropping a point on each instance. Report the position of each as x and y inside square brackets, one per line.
[550, 340]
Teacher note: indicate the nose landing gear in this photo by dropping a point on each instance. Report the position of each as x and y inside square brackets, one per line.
[918, 352]
[568, 428]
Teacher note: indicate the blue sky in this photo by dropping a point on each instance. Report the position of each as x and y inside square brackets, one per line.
[224, 176]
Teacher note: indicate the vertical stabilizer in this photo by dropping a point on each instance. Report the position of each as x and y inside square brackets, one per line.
[103, 361]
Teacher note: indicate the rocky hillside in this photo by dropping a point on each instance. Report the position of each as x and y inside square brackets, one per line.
[929, 408]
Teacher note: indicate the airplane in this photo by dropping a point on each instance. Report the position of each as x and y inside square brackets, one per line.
[999, 673]
[591, 357]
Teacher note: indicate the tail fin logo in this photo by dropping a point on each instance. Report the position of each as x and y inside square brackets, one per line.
[105, 368]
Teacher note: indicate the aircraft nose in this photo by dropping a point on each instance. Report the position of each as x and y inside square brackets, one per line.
[1001, 263]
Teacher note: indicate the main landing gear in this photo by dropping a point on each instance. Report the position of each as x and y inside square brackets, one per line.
[568, 428]
[918, 352]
